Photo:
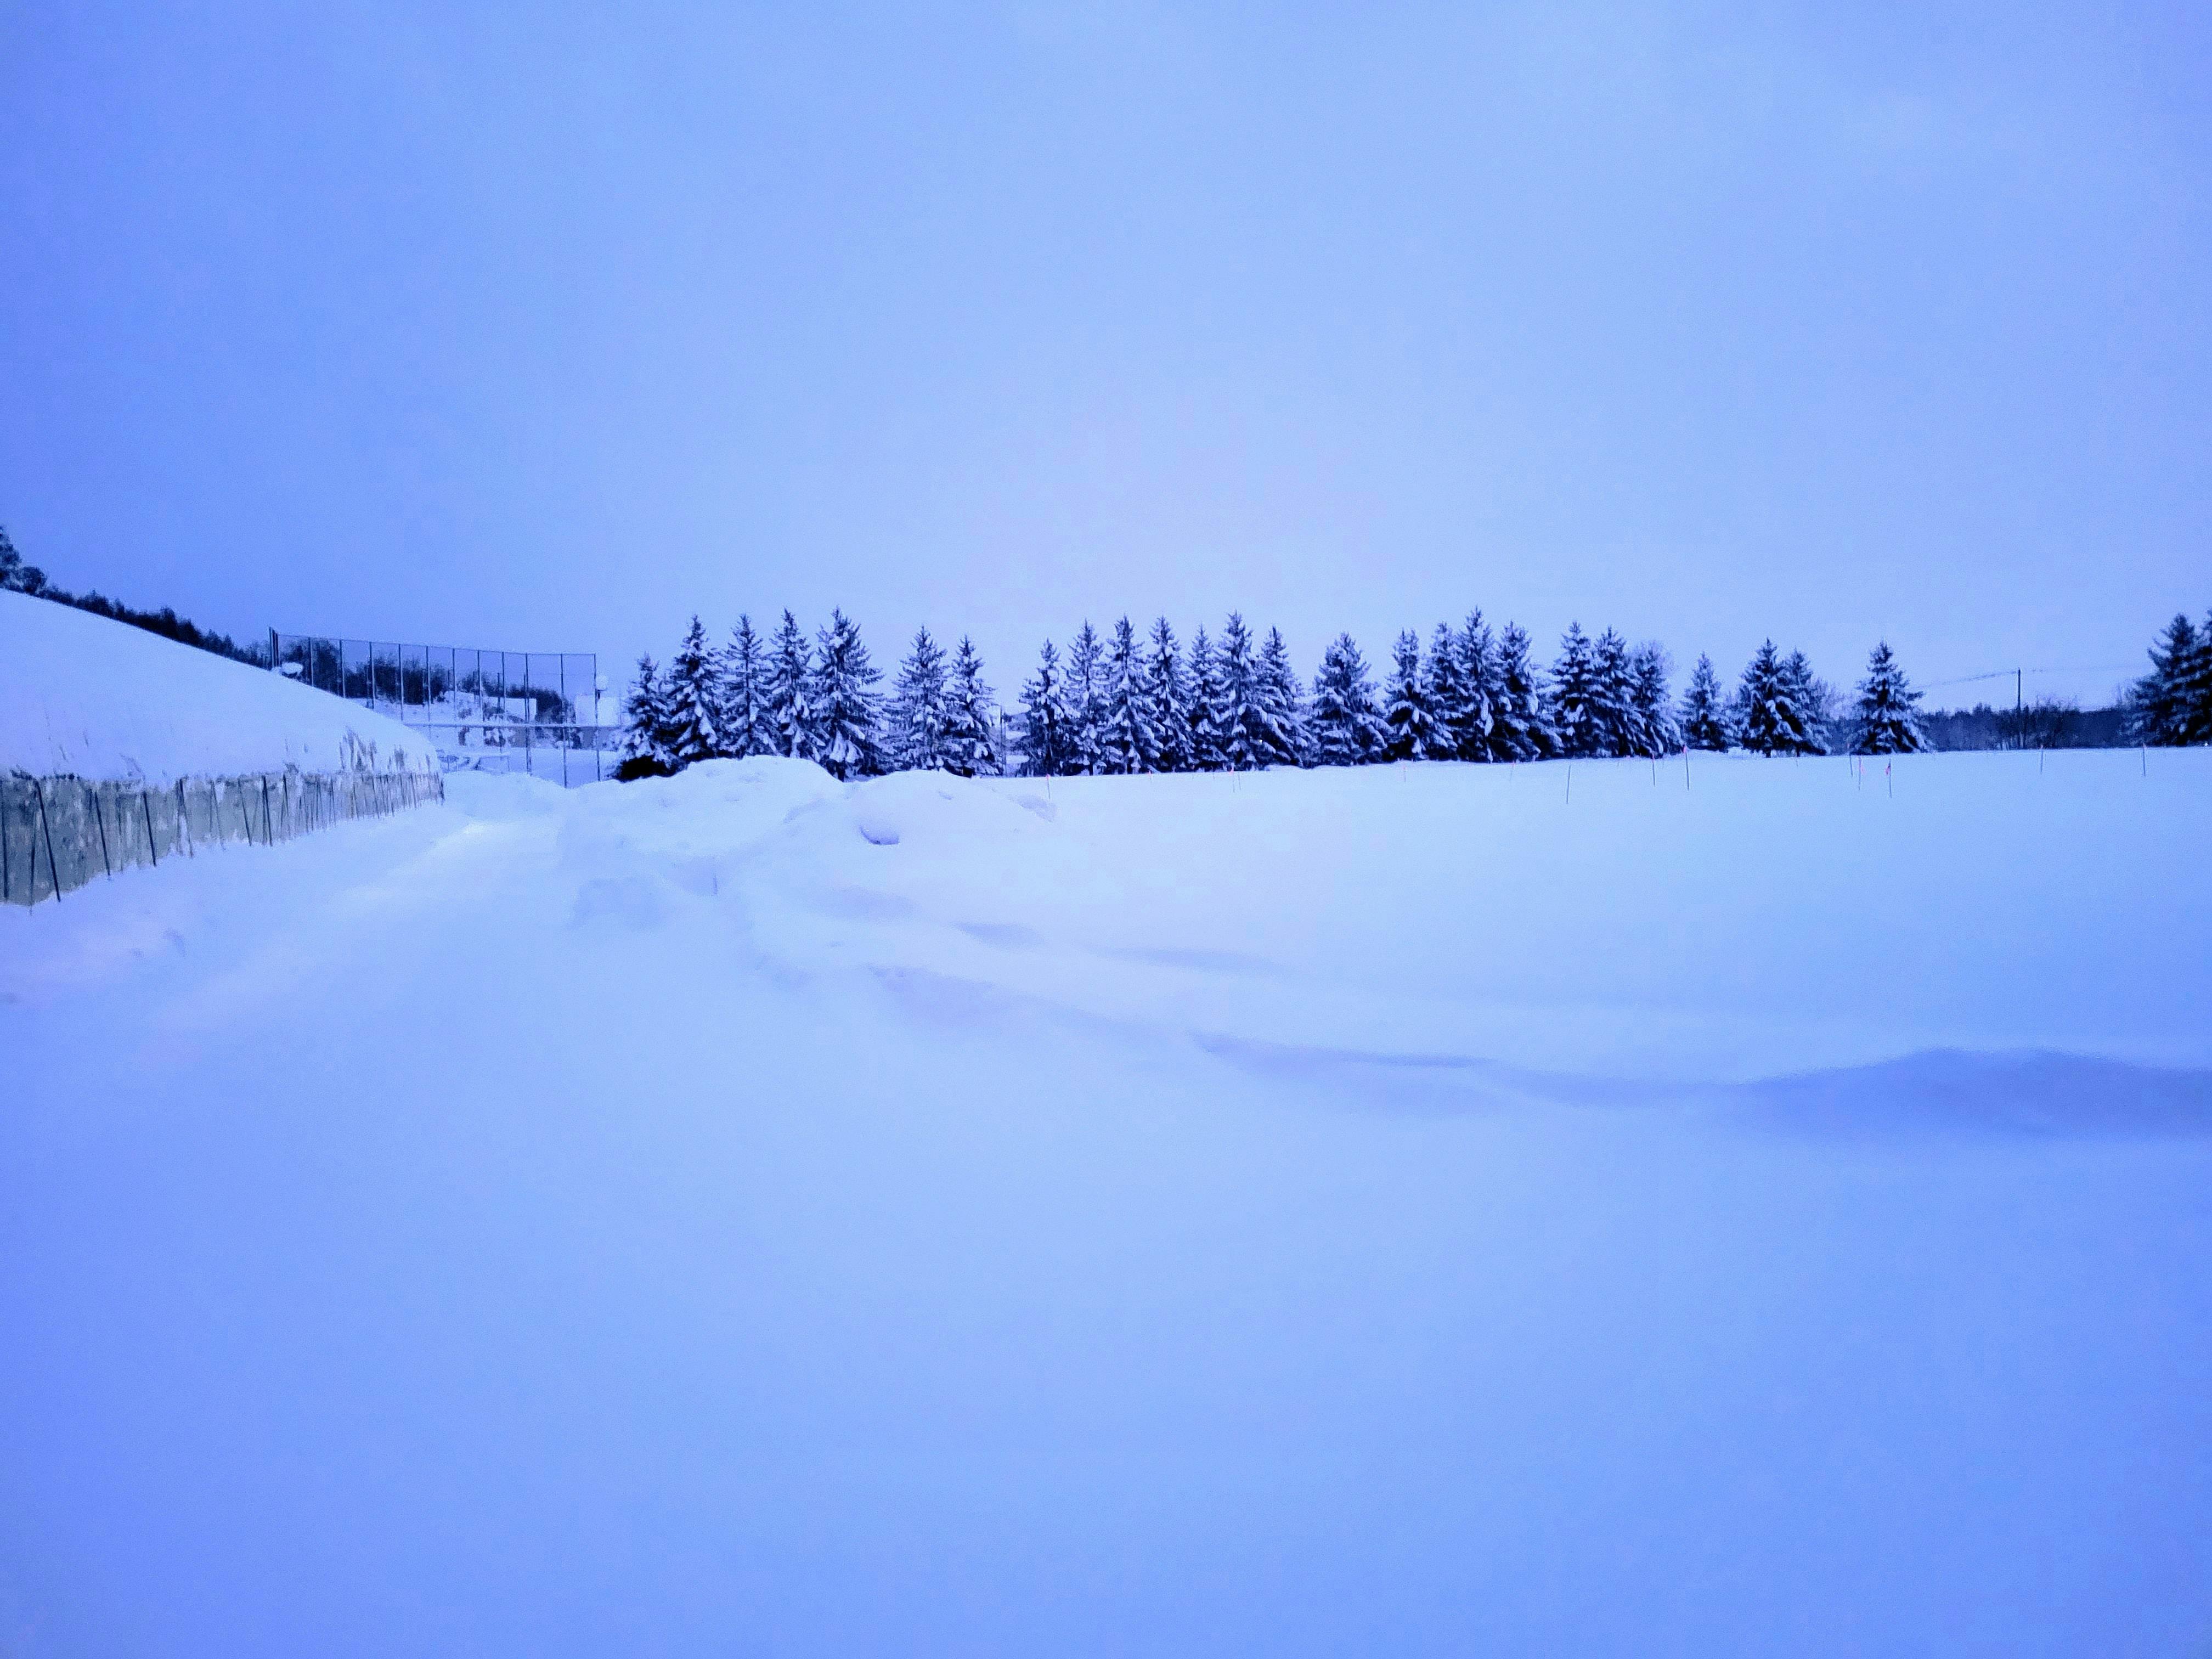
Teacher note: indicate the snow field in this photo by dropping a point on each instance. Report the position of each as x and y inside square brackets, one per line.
[1307, 1213]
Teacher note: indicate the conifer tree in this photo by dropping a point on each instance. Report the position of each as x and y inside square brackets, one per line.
[1047, 731]
[971, 726]
[1407, 713]
[747, 728]
[645, 718]
[1481, 677]
[1521, 723]
[694, 732]
[1812, 699]
[1446, 691]
[916, 717]
[1238, 714]
[2196, 686]
[1168, 700]
[1204, 686]
[1575, 712]
[848, 741]
[1768, 717]
[1613, 696]
[1127, 741]
[1343, 722]
[1704, 710]
[1652, 729]
[1889, 716]
[1086, 697]
[2171, 705]
[1282, 728]
[791, 691]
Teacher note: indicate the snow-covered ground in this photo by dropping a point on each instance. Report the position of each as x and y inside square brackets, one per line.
[91, 697]
[1424, 1210]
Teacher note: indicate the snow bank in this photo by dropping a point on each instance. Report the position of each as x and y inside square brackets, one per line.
[1422, 1210]
[84, 696]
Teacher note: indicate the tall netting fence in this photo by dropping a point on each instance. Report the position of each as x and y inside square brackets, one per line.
[546, 713]
[58, 833]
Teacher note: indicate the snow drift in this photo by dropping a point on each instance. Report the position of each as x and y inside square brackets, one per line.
[82, 696]
[1418, 1209]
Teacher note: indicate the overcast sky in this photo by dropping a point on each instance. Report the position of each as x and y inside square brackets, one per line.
[524, 327]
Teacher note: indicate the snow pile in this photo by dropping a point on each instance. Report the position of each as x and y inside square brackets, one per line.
[1422, 1210]
[1728, 920]
[85, 696]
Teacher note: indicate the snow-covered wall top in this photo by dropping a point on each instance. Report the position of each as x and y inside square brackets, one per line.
[81, 695]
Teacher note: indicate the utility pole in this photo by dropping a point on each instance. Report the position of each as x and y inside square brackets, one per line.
[2019, 708]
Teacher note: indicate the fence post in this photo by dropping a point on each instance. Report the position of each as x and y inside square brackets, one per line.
[52, 874]
[146, 802]
[100, 818]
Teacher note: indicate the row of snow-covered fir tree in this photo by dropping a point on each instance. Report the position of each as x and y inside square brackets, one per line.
[1128, 703]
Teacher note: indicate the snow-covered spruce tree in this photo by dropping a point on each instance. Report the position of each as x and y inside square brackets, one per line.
[1612, 685]
[2171, 705]
[1447, 694]
[1168, 693]
[1409, 716]
[1237, 669]
[1651, 709]
[791, 691]
[1205, 749]
[1768, 717]
[1482, 690]
[1520, 719]
[1573, 704]
[693, 694]
[746, 726]
[645, 724]
[1283, 718]
[1127, 742]
[971, 722]
[1812, 697]
[1343, 723]
[848, 741]
[914, 719]
[1247, 741]
[1048, 732]
[1887, 720]
[1705, 721]
[1086, 696]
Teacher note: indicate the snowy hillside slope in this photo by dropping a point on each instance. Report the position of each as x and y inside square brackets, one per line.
[1418, 1209]
[92, 698]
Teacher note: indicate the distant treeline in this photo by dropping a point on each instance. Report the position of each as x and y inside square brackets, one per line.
[1129, 700]
[2047, 723]
[1125, 702]
[17, 577]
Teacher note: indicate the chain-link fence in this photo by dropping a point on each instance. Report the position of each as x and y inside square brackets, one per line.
[546, 713]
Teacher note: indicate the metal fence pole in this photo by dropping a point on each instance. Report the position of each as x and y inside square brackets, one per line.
[52, 874]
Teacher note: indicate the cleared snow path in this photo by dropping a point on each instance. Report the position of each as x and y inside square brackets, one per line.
[1397, 1212]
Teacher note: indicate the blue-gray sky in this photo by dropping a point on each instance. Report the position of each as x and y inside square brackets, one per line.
[544, 326]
